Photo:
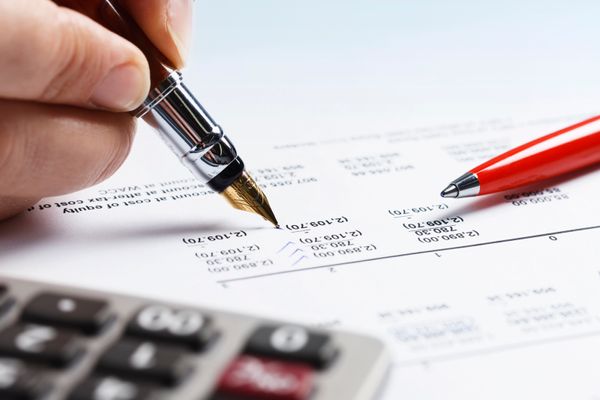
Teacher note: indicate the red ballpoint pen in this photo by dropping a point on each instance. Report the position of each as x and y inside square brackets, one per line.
[566, 150]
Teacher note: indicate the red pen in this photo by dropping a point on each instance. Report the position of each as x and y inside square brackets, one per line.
[566, 150]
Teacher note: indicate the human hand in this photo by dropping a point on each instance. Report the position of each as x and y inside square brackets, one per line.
[66, 85]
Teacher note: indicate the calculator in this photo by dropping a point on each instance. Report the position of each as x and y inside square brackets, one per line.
[62, 343]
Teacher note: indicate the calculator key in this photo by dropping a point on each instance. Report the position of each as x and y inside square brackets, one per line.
[145, 360]
[84, 314]
[292, 343]
[111, 388]
[181, 326]
[39, 343]
[250, 377]
[17, 382]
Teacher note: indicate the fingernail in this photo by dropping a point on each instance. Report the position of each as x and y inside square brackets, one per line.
[122, 89]
[180, 25]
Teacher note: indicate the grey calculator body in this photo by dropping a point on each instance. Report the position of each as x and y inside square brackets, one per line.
[339, 365]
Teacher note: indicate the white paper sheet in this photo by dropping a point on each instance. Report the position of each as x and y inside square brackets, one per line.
[497, 297]
[354, 115]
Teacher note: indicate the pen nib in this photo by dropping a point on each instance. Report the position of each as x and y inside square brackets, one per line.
[244, 194]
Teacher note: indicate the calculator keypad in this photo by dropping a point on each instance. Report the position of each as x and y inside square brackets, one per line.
[57, 345]
[260, 378]
[145, 360]
[18, 382]
[180, 326]
[43, 344]
[86, 315]
[111, 388]
[292, 343]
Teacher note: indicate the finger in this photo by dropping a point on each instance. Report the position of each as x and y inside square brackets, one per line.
[168, 23]
[48, 150]
[53, 54]
[11, 206]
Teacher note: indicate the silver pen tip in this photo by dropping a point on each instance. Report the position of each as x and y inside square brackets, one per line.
[450, 192]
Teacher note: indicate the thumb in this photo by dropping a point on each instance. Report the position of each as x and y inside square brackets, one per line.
[168, 23]
[56, 55]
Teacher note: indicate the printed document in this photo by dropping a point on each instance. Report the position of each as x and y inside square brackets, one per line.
[495, 297]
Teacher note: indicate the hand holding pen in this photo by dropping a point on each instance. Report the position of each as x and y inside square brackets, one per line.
[68, 68]
[66, 81]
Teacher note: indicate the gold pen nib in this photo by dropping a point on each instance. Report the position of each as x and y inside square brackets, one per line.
[244, 194]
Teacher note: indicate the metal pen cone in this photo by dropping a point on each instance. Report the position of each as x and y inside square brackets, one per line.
[450, 191]
[466, 185]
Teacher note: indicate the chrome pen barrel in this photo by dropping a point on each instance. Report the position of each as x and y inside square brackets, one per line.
[188, 129]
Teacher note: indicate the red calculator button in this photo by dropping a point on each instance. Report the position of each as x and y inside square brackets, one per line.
[261, 378]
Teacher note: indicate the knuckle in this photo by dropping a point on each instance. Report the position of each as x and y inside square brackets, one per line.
[118, 148]
[6, 144]
[12, 161]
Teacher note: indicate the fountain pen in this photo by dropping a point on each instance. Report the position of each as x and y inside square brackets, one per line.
[182, 122]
